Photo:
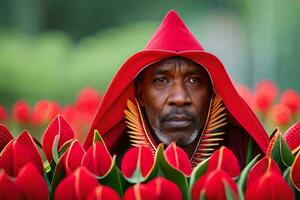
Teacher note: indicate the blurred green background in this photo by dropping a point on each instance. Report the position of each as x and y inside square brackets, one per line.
[53, 48]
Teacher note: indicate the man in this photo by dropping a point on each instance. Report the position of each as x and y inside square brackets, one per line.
[175, 91]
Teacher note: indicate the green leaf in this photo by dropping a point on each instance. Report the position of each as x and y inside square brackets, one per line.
[65, 147]
[286, 154]
[115, 179]
[55, 149]
[97, 137]
[47, 166]
[244, 174]
[137, 176]
[169, 172]
[228, 191]
[275, 152]
[197, 172]
[202, 195]
[249, 150]
[59, 174]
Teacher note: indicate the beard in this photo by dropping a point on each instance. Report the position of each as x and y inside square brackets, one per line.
[182, 136]
[179, 139]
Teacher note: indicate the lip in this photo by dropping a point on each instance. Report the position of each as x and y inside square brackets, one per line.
[176, 123]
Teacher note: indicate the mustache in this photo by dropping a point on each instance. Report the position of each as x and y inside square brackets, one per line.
[183, 112]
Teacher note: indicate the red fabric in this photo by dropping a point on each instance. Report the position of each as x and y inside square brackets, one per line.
[172, 38]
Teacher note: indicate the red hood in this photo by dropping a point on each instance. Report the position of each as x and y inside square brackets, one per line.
[172, 38]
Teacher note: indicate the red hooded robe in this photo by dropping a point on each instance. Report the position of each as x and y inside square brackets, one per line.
[172, 38]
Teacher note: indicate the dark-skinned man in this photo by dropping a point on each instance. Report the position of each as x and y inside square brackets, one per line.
[177, 92]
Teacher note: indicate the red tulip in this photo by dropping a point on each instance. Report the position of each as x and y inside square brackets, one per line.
[224, 159]
[265, 92]
[3, 114]
[164, 189]
[140, 192]
[21, 112]
[73, 157]
[77, 185]
[291, 99]
[137, 158]
[31, 183]
[212, 184]
[295, 172]
[281, 114]
[87, 103]
[178, 158]
[60, 127]
[263, 166]
[97, 159]
[5, 137]
[102, 192]
[18, 153]
[292, 137]
[44, 111]
[269, 186]
[8, 189]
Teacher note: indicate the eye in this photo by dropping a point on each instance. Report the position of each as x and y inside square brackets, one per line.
[194, 80]
[160, 81]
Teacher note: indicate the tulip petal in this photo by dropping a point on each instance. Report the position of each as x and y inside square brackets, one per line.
[5, 137]
[18, 153]
[140, 192]
[74, 156]
[213, 185]
[295, 172]
[58, 126]
[225, 160]
[164, 189]
[292, 137]
[163, 168]
[8, 189]
[269, 186]
[97, 159]
[137, 159]
[31, 183]
[263, 166]
[77, 185]
[102, 192]
[178, 158]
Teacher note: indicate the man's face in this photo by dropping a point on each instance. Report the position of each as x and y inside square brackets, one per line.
[175, 94]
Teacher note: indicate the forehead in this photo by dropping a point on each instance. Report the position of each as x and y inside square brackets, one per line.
[170, 65]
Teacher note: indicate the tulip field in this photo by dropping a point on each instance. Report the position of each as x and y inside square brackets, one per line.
[42, 156]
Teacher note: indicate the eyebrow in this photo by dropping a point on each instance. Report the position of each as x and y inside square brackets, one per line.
[164, 71]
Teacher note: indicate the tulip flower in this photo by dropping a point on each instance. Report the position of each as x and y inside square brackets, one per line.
[8, 188]
[5, 137]
[31, 183]
[281, 114]
[77, 185]
[178, 159]
[102, 192]
[140, 192]
[212, 186]
[266, 182]
[265, 93]
[3, 114]
[97, 159]
[224, 159]
[18, 153]
[164, 189]
[60, 127]
[21, 112]
[291, 99]
[73, 156]
[292, 137]
[295, 172]
[44, 111]
[137, 161]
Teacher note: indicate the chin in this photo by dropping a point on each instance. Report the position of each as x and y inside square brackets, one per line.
[180, 138]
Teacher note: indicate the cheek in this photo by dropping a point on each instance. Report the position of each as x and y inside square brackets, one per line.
[201, 100]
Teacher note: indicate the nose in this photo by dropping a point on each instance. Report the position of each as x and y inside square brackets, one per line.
[179, 95]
